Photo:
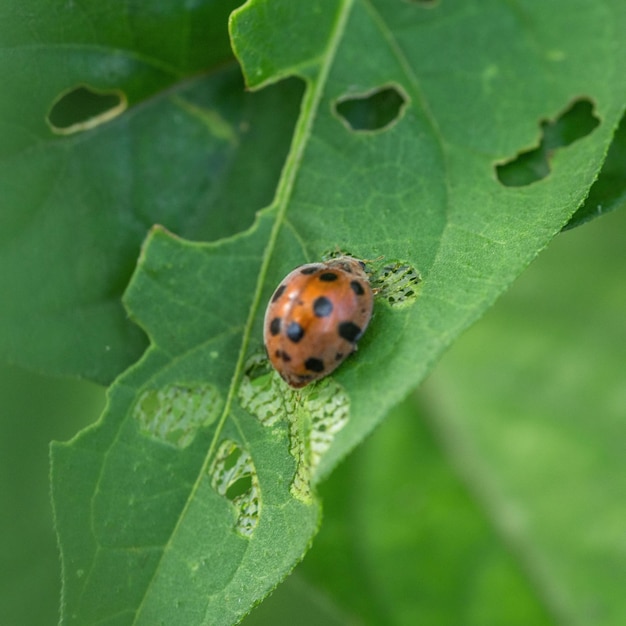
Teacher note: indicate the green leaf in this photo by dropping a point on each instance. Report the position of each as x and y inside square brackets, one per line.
[173, 443]
[404, 542]
[75, 207]
[199, 479]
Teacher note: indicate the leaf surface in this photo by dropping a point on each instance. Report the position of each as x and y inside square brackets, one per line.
[468, 490]
[197, 480]
[75, 208]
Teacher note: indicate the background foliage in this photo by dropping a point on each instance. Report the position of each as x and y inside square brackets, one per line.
[194, 152]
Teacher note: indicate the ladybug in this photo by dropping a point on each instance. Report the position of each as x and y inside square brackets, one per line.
[315, 318]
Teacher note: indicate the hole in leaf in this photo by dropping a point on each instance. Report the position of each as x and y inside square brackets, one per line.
[529, 166]
[371, 111]
[231, 460]
[84, 107]
[239, 487]
[233, 475]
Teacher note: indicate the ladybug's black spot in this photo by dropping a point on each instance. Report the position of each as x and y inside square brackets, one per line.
[295, 332]
[322, 307]
[357, 287]
[275, 326]
[279, 292]
[281, 354]
[329, 277]
[339, 356]
[315, 365]
[310, 270]
[349, 331]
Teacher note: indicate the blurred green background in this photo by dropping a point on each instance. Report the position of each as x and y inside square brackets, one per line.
[416, 527]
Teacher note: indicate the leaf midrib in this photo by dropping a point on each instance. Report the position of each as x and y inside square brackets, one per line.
[310, 103]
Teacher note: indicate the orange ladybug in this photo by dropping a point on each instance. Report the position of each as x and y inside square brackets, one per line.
[315, 318]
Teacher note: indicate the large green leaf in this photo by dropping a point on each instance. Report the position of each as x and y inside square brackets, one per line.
[75, 208]
[191, 498]
[528, 410]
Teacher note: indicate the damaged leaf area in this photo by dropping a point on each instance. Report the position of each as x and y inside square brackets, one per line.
[533, 165]
[234, 476]
[396, 282]
[313, 416]
[187, 485]
[373, 111]
[175, 413]
[195, 493]
[83, 108]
